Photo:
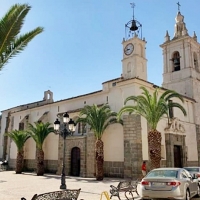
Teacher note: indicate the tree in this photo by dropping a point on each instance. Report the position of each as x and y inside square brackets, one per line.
[11, 43]
[98, 118]
[39, 131]
[153, 108]
[19, 138]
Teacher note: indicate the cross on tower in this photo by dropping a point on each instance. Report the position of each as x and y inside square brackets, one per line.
[179, 5]
[132, 6]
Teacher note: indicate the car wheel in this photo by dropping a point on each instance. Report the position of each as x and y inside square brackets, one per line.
[187, 195]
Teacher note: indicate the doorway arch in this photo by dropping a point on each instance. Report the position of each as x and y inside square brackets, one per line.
[75, 161]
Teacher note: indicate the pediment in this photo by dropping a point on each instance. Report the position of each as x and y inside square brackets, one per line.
[175, 126]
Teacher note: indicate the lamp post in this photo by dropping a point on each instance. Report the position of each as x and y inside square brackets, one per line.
[69, 128]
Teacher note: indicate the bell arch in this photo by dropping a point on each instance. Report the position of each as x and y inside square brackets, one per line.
[195, 61]
[129, 70]
[176, 61]
[140, 50]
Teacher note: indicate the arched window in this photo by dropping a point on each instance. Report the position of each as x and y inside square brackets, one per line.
[195, 60]
[176, 61]
[129, 67]
[129, 70]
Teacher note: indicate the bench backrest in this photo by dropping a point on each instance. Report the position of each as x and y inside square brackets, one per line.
[59, 195]
[124, 184]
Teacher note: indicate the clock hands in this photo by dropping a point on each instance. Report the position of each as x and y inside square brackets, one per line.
[128, 49]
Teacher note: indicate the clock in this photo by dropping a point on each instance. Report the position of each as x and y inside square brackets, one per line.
[128, 49]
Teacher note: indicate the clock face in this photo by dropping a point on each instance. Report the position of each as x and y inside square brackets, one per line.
[128, 49]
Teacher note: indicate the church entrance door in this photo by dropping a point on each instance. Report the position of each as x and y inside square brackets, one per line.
[75, 161]
[177, 156]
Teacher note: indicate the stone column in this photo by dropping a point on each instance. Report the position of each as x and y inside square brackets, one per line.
[90, 155]
[132, 146]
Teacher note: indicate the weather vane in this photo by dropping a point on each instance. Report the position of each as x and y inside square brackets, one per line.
[178, 6]
[132, 6]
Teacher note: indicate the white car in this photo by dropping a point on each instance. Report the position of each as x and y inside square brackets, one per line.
[194, 170]
[169, 183]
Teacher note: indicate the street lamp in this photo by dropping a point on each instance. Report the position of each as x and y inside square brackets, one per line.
[68, 130]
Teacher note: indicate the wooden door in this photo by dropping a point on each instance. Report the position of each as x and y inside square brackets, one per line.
[75, 161]
[177, 156]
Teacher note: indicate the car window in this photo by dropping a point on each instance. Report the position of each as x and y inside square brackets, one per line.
[193, 169]
[163, 173]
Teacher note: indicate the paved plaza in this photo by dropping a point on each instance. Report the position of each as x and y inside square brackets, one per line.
[15, 186]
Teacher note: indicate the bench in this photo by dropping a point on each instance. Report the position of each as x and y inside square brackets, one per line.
[68, 194]
[3, 165]
[126, 187]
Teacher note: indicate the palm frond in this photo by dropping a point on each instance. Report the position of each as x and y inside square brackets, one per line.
[151, 107]
[11, 43]
[98, 118]
[19, 138]
[39, 131]
[11, 24]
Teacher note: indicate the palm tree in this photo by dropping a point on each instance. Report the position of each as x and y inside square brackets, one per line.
[39, 131]
[11, 43]
[19, 137]
[153, 109]
[98, 118]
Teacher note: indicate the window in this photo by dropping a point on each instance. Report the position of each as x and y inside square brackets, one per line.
[195, 62]
[129, 70]
[12, 122]
[176, 61]
[163, 173]
[21, 126]
[81, 127]
[114, 84]
[129, 67]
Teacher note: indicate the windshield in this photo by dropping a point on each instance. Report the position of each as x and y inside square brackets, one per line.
[193, 169]
[163, 173]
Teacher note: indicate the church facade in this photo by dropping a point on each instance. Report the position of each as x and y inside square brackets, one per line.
[125, 147]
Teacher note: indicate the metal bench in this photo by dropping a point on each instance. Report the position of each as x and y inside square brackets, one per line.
[125, 187]
[69, 194]
[3, 165]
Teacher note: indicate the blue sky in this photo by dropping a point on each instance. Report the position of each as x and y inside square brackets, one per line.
[81, 45]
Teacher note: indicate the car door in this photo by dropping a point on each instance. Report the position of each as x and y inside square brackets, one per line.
[192, 183]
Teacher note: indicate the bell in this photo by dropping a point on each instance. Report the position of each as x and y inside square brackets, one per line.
[176, 61]
[134, 26]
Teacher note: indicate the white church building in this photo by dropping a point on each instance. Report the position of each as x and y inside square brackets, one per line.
[125, 147]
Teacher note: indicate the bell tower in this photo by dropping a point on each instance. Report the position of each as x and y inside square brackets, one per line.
[181, 60]
[181, 63]
[134, 62]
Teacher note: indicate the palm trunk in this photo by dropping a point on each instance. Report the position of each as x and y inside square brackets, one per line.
[99, 159]
[19, 162]
[154, 142]
[40, 162]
